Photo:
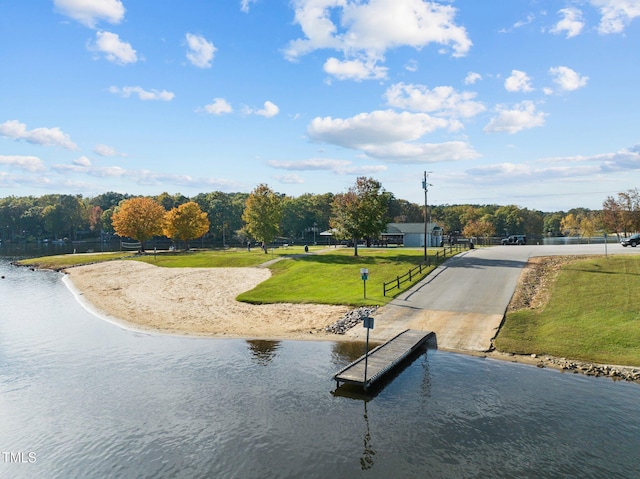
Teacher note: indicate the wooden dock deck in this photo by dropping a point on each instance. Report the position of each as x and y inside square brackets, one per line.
[382, 359]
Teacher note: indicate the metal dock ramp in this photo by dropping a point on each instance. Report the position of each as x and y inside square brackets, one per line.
[382, 359]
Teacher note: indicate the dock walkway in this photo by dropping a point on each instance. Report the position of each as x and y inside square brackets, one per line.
[382, 359]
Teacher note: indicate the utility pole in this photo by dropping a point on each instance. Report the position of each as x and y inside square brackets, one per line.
[425, 187]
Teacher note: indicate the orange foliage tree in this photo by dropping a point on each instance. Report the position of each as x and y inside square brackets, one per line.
[186, 222]
[138, 218]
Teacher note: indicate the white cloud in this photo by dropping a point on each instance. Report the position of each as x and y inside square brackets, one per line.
[201, 51]
[519, 24]
[40, 136]
[244, 5]
[411, 66]
[443, 100]
[368, 29]
[143, 177]
[423, 153]
[142, 94]
[340, 167]
[89, 12]
[390, 136]
[269, 110]
[472, 77]
[549, 169]
[518, 81]
[291, 179]
[523, 116]
[567, 79]
[82, 161]
[218, 107]
[105, 150]
[355, 69]
[375, 128]
[114, 49]
[616, 14]
[26, 163]
[572, 22]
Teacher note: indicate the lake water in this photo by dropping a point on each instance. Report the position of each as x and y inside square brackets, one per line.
[80, 397]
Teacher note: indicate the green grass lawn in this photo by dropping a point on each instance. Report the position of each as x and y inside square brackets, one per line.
[593, 314]
[330, 277]
[333, 277]
[62, 261]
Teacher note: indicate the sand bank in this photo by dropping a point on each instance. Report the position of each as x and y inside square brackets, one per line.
[196, 301]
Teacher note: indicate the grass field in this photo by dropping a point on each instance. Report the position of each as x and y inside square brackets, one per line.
[334, 277]
[593, 314]
[67, 260]
[330, 277]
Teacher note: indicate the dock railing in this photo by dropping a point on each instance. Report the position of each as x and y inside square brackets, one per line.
[420, 271]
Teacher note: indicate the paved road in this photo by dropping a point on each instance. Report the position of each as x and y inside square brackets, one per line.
[464, 300]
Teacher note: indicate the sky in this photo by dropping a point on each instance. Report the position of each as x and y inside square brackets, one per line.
[534, 103]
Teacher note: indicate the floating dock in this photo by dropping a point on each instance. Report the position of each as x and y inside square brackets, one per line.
[382, 359]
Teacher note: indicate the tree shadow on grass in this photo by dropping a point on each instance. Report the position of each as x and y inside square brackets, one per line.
[341, 259]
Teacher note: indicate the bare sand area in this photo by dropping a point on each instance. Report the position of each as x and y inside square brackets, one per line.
[196, 301]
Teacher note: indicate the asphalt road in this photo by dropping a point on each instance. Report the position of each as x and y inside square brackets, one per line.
[464, 300]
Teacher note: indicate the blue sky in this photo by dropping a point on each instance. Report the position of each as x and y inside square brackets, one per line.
[527, 102]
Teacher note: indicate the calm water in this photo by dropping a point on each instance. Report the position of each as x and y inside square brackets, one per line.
[83, 398]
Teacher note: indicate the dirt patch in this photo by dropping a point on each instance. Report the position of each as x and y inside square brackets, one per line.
[537, 278]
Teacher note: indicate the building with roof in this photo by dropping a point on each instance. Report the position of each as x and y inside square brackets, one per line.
[412, 234]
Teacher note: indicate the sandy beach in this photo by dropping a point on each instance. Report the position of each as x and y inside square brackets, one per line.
[196, 301]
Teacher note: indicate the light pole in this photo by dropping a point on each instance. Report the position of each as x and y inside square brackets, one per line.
[425, 187]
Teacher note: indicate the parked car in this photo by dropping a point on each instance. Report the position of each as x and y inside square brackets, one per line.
[515, 239]
[632, 240]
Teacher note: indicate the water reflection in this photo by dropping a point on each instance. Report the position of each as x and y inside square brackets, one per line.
[345, 352]
[263, 351]
[366, 461]
[93, 400]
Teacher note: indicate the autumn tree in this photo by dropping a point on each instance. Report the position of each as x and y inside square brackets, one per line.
[570, 225]
[186, 222]
[622, 215]
[361, 212]
[478, 228]
[95, 218]
[262, 214]
[139, 219]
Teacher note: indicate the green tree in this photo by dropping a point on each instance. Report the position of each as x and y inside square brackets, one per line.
[262, 214]
[62, 215]
[169, 202]
[552, 223]
[186, 222]
[138, 218]
[305, 215]
[509, 220]
[403, 211]
[224, 211]
[108, 200]
[361, 212]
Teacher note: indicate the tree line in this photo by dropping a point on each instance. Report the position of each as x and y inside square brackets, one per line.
[361, 212]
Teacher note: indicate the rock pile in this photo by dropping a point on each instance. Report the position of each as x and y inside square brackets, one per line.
[590, 369]
[350, 319]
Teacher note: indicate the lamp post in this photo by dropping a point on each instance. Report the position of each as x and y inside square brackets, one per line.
[425, 187]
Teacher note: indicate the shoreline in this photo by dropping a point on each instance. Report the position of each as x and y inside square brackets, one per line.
[151, 308]
[193, 302]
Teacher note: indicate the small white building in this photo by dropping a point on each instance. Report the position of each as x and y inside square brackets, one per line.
[412, 234]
